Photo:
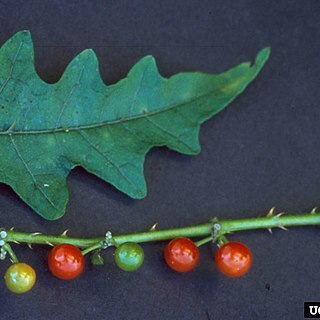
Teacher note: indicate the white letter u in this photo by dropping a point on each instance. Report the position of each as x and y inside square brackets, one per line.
[313, 313]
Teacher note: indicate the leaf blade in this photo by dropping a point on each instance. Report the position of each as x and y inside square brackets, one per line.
[48, 129]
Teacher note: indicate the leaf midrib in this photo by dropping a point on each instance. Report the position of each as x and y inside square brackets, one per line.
[11, 132]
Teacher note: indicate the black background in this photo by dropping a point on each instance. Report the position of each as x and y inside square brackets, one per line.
[263, 150]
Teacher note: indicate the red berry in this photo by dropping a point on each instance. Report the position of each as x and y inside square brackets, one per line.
[234, 259]
[66, 261]
[181, 254]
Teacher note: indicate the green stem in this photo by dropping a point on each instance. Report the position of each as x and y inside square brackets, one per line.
[92, 248]
[203, 241]
[222, 240]
[202, 230]
[13, 256]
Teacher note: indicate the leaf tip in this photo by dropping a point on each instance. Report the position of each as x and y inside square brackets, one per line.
[149, 58]
[197, 149]
[262, 56]
[26, 34]
[89, 53]
[144, 63]
[140, 193]
[87, 56]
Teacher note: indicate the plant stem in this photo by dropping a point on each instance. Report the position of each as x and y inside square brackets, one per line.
[202, 230]
[92, 248]
[222, 240]
[13, 256]
[203, 241]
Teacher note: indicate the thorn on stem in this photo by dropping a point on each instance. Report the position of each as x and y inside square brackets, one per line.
[271, 211]
[154, 227]
[283, 228]
[314, 210]
[29, 245]
[270, 230]
[64, 233]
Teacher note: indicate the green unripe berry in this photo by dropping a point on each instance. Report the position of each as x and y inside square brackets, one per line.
[129, 256]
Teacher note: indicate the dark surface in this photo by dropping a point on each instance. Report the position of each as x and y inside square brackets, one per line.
[263, 150]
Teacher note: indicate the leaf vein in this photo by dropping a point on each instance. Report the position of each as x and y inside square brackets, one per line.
[137, 90]
[12, 67]
[170, 134]
[107, 158]
[69, 95]
[30, 172]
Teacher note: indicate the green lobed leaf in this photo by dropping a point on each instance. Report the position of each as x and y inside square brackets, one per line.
[48, 129]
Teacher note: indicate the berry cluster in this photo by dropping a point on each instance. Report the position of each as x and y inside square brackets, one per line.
[67, 261]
